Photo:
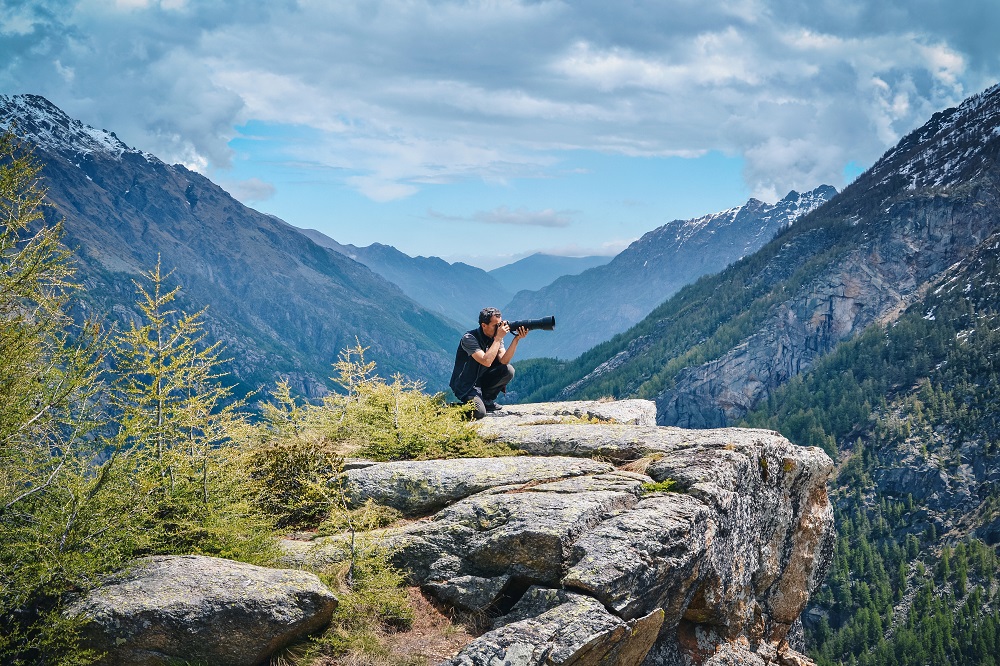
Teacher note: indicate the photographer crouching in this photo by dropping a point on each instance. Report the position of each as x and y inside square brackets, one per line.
[482, 363]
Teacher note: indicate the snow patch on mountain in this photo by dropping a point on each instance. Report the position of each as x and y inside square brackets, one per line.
[47, 126]
[948, 149]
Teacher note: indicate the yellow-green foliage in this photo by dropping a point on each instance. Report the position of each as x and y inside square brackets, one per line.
[667, 485]
[100, 466]
[373, 604]
[395, 420]
[293, 464]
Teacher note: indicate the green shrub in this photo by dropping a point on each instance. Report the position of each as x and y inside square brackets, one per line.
[667, 485]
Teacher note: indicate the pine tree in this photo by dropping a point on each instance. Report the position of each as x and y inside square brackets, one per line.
[177, 422]
[53, 521]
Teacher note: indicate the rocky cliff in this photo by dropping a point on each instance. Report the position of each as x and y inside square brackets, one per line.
[613, 540]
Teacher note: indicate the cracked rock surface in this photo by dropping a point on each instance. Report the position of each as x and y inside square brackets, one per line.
[596, 563]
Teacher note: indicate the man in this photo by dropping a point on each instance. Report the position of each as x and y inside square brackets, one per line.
[482, 364]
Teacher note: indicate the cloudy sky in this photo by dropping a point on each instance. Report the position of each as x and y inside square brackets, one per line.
[483, 131]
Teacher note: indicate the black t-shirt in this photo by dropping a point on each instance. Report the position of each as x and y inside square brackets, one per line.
[467, 369]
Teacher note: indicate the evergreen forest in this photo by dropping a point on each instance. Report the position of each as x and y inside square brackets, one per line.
[910, 413]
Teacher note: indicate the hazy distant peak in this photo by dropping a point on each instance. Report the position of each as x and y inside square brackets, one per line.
[46, 125]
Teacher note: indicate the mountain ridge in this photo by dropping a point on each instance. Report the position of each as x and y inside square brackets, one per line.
[284, 306]
[540, 269]
[613, 297]
[457, 290]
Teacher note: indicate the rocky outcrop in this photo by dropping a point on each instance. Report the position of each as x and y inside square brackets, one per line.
[611, 564]
[194, 609]
[422, 486]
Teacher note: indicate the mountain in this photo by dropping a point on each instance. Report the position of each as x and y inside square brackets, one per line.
[608, 299]
[912, 411]
[457, 291]
[283, 305]
[540, 269]
[721, 345]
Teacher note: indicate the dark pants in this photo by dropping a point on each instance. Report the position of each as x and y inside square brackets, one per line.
[488, 387]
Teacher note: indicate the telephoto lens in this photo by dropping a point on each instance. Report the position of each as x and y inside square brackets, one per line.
[544, 324]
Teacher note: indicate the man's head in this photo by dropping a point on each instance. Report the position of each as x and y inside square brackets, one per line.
[489, 319]
[486, 315]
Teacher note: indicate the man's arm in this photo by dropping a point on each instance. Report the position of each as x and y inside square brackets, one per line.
[487, 357]
[509, 354]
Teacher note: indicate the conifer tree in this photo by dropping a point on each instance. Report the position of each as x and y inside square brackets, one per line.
[53, 522]
[176, 420]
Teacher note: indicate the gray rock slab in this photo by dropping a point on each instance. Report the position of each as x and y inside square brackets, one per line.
[420, 487]
[526, 534]
[577, 630]
[631, 412]
[616, 442]
[646, 558]
[179, 609]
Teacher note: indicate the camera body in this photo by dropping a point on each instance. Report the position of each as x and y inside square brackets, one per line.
[544, 324]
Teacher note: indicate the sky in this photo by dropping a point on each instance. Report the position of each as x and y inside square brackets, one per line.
[484, 131]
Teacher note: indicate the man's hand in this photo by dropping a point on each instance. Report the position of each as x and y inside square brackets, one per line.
[503, 328]
[521, 332]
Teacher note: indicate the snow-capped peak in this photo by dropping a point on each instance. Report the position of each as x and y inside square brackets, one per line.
[38, 120]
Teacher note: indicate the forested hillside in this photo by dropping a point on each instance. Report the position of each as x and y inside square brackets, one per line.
[912, 412]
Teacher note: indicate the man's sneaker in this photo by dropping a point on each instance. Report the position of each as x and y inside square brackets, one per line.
[493, 407]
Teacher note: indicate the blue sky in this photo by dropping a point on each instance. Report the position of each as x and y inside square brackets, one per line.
[486, 130]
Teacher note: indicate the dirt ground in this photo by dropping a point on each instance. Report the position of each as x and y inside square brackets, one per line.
[434, 636]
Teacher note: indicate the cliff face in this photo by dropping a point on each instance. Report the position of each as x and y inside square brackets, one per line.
[899, 252]
[581, 553]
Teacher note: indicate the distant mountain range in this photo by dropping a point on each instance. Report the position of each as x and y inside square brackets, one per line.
[283, 305]
[600, 302]
[457, 291]
[540, 269]
[720, 346]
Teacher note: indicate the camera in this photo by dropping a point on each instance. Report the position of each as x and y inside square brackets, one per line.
[544, 324]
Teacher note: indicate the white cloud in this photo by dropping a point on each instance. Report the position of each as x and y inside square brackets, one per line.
[251, 190]
[406, 94]
[524, 217]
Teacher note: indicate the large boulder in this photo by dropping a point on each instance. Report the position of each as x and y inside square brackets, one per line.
[558, 628]
[195, 609]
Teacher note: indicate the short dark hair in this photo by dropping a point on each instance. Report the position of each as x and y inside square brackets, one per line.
[486, 315]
